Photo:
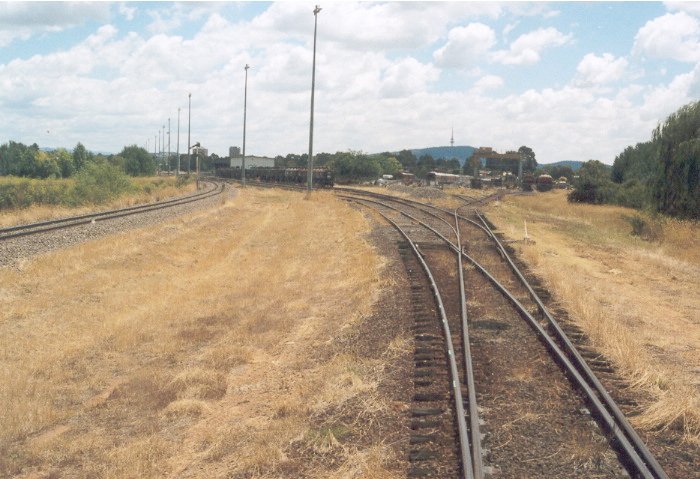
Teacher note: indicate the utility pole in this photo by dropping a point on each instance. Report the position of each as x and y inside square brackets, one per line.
[178, 142]
[311, 122]
[159, 153]
[168, 145]
[189, 122]
[162, 150]
[245, 105]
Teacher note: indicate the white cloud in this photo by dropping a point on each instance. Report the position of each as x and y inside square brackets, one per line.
[675, 36]
[599, 70]
[692, 8]
[22, 20]
[526, 49]
[407, 77]
[127, 11]
[465, 45]
[489, 82]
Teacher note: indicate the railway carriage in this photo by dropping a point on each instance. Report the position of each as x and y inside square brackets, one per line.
[322, 177]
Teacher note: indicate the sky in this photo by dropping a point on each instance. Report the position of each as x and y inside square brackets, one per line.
[571, 80]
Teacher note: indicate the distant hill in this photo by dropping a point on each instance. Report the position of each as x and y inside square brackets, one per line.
[574, 165]
[447, 152]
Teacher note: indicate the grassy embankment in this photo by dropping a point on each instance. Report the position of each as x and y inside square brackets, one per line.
[635, 295]
[25, 200]
[187, 349]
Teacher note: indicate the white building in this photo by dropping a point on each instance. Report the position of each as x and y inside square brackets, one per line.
[252, 162]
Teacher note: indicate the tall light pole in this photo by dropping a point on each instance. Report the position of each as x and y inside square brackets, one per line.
[159, 152]
[168, 145]
[311, 122]
[162, 150]
[189, 121]
[178, 142]
[155, 157]
[245, 105]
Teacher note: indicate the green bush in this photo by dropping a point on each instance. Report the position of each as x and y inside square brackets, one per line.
[99, 183]
[183, 180]
[593, 184]
[633, 194]
[23, 192]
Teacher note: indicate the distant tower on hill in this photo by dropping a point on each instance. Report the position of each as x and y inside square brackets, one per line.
[452, 138]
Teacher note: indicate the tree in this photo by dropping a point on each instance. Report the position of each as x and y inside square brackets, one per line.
[593, 184]
[353, 165]
[389, 165]
[637, 162]
[65, 162]
[528, 156]
[137, 161]
[408, 160]
[80, 156]
[425, 164]
[676, 186]
[471, 165]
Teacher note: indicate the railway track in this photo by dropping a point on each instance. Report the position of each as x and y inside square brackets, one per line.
[526, 400]
[7, 233]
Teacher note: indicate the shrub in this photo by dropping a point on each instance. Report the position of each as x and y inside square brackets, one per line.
[100, 182]
[648, 230]
[593, 184]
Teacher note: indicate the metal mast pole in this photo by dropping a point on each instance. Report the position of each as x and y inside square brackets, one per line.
[168, 145]
[178, 143]
[189, 122]
[311, 122]
[245, 106]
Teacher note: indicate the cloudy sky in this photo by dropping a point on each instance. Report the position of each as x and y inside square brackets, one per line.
[574, 81]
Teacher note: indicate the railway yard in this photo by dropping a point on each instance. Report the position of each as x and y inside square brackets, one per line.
[355, 332]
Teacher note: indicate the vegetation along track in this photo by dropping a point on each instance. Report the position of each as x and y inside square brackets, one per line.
[71, 221]
[21, 243]
[536, 424]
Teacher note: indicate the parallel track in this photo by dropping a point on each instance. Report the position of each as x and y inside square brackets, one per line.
[72, 221]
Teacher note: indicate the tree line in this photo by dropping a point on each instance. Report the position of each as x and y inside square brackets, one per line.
[662, 174]
[17, 159]
[352, 166]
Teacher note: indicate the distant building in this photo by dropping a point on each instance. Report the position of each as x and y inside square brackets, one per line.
[252, 162]
[493, 160]
[234, 151]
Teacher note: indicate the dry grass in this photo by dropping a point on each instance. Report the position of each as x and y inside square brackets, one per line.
[637, 300]
[183, 349]
[167, 189]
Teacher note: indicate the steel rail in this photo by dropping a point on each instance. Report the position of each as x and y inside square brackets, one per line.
[61, 223]
[414, 204]
[581, 364]
[474, 427]
[467, 464]
[645, 469]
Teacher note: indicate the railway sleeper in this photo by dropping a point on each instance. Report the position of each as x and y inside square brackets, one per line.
[416, 455]
[428, 397]
[416, 471]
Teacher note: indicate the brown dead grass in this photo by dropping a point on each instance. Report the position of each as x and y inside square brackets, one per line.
[183, 350]
[167, 189]
[637, 300]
